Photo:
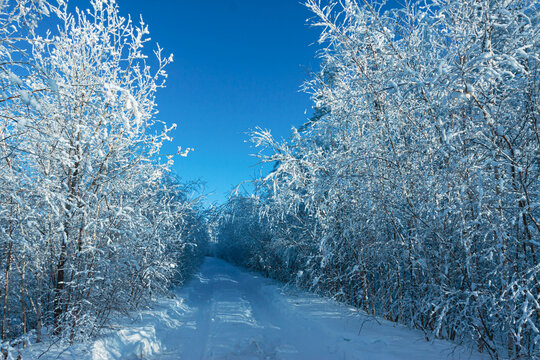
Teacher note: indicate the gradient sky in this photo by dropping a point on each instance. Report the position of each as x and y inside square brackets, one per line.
[238, 64]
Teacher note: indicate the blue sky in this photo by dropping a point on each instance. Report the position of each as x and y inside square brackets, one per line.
[238, 64]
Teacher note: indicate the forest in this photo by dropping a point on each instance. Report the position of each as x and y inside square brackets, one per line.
[412, 193]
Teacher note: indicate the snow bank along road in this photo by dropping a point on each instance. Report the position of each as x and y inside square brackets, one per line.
[228, 313]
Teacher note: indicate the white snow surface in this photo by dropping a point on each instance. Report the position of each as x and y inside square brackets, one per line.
[225, 312]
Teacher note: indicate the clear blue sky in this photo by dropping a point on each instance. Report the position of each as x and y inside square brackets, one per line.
[238, 64]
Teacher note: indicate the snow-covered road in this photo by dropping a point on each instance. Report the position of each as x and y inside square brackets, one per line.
[229, 313]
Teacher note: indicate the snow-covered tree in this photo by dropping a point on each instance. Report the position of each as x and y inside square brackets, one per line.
[92, 222]
[413, 194]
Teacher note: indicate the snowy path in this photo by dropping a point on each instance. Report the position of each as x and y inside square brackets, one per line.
[233, 314]
[228, 313]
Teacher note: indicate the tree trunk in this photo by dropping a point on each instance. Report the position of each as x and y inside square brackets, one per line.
[59, 289]
[23, 305]
[6, 290]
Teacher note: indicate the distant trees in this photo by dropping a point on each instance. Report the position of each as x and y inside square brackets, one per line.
[91, 221]
[414, 194]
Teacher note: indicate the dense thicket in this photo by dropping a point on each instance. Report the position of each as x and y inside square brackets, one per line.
[414, 191]
[91, 221]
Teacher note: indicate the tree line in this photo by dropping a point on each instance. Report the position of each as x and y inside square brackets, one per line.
[413, 191]
[92, 221]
